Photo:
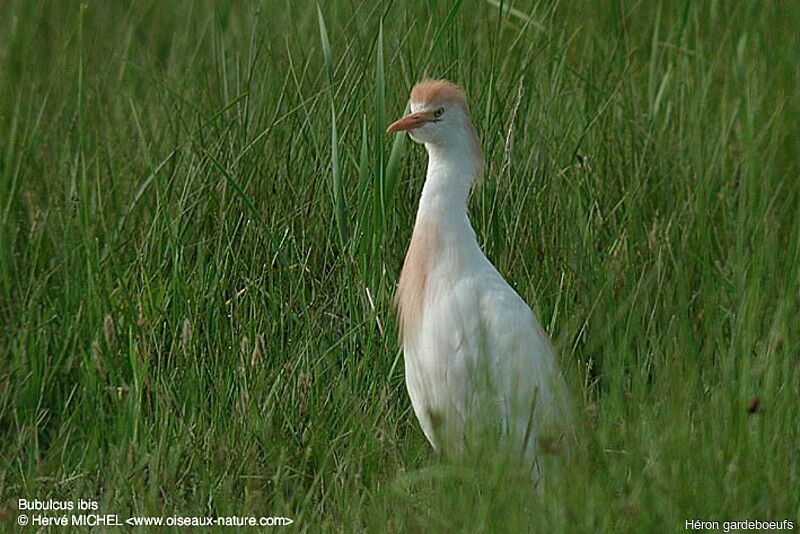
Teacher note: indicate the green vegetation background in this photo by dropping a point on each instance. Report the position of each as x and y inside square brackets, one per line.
[202, 222]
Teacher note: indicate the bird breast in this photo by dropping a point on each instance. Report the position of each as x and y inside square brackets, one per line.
[414, 277]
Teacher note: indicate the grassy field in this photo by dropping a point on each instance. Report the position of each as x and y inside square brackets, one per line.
[202, 224]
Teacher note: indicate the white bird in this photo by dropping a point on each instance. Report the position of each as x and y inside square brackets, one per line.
[476, 358]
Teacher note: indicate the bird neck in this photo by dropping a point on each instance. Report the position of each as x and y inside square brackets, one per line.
[451, 171]
[442, 231]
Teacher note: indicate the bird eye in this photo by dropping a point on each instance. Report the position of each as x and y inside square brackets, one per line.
[438, 113]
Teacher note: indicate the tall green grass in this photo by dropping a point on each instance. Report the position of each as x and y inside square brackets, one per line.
[203, 222]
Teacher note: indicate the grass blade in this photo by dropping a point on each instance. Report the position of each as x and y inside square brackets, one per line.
[339, 209]
[379, 205]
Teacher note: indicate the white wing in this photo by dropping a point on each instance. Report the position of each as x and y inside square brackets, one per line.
[492, 371]
[532, 396]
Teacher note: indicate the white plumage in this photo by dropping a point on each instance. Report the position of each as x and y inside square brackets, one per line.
[476, 359]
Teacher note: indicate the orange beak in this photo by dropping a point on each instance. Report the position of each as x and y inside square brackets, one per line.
[410, 122]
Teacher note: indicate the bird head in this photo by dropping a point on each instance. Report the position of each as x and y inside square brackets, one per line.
[439, 116]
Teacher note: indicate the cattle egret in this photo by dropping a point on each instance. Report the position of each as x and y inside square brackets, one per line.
[476, 357]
